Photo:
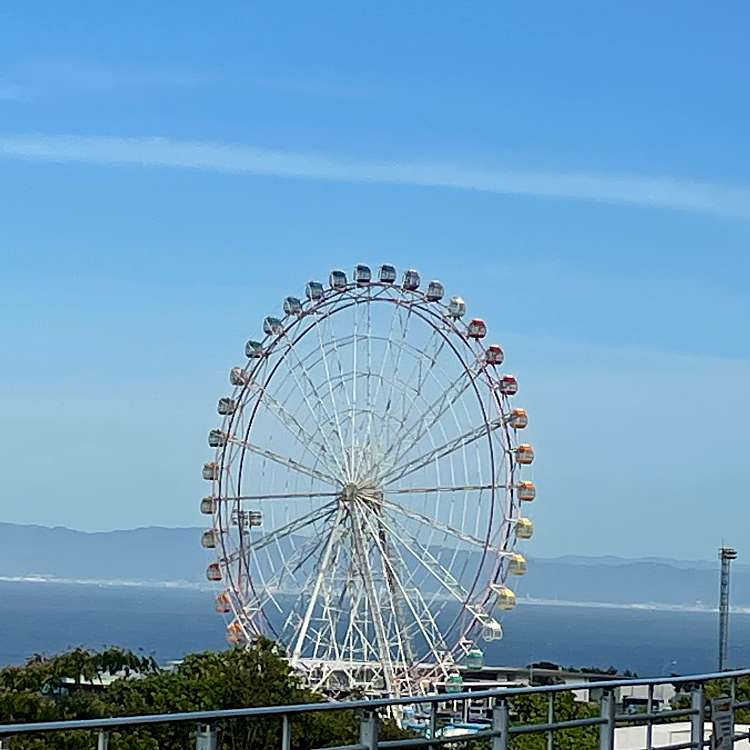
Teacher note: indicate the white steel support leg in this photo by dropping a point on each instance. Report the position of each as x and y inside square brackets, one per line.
[322, 571]
[377, 615]
[102, 742]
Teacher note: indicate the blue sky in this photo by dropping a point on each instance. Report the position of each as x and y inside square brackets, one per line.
[579, 172]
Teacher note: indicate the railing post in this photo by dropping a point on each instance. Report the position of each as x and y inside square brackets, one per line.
[286, 732]
[368, 730]
[697, 720]
[650, 724]
[102, 742]
[206, 737]
[607, 728]
[433, 722]
[550, 719]
[500, 725]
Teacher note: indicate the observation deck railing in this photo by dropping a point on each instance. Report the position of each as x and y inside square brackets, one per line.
[500, 728]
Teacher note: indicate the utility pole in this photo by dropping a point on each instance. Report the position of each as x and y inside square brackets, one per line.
[726, 555]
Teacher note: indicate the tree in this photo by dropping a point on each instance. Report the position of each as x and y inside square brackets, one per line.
[50, 689]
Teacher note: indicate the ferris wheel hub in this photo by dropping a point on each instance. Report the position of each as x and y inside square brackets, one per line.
[350, 492]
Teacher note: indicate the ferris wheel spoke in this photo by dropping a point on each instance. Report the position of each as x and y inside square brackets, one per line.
[281, 496]
[410, 438]
[295, 428]
[290, 463]
[289, 566]
[441, 451]
[395, 582]
[336, 418]
[394, 372]
[321, 407]
[388, 341]
[434, 523]
[423, 371]
[368, 378]
[444, 488]
[425, 558]
[296, 525]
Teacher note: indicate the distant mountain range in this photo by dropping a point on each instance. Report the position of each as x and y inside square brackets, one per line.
[174, 555]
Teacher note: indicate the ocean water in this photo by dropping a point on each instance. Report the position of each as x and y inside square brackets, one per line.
[169, 622]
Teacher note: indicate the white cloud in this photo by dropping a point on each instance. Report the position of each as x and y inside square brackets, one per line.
[658, 192]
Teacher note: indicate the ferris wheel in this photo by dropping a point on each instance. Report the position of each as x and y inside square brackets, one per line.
[368, 483]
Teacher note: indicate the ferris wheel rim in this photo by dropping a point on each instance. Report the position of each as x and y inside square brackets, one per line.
[416, 303]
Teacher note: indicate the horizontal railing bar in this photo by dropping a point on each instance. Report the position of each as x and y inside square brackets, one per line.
[468, 737]
[343, 747]
[674, 713]
[570, 724]
[369, 705]
[741, 704]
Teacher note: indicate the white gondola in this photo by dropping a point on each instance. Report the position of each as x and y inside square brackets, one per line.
[517, 419]
[210, 471]
[517, 565]
[524, 528]
[253, 349]
[216, 439]
[337, 280]
[362, 275]
[208, 505]
[492, 631]
[246, 518]
[476, 329]
[226, 406]
[213, 572]
[208, 539]
[387, 274]
[508, 385]
[435, 291]
[292, 306]
[239, 376]
[494, 355]
[506, 599]
[526, 491]
[525, 454]
[456, 307]
[411, 280]
[314, 291]
[272, 326]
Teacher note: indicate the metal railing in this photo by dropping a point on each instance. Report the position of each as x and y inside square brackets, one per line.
[499, 728]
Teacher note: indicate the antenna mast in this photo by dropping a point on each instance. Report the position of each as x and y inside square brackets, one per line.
[726, 555]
